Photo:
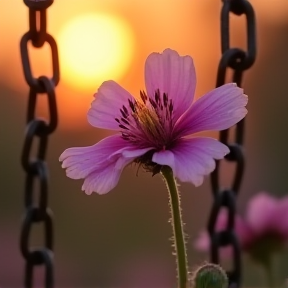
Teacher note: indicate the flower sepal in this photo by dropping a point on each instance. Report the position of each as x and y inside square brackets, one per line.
[209, 275]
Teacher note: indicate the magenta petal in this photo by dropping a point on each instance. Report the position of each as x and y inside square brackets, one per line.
[173, 75]
[261, 211]
[217, 110]
[106, 106]
[192, 159]
[132, 153]
[101, 164]
[164, 158]
[266, 214]
[80, 161]
[105, 178]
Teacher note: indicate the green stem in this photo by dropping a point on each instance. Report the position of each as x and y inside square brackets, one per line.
[177, 226]
[270, 277]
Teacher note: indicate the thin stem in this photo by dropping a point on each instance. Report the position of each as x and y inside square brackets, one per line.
[270, 278]
[177, 226]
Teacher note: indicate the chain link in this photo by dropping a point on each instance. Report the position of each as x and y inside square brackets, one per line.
[38, 131]
[238, 61]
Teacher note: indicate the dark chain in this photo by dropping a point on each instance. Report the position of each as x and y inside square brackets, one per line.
[238, 60]
[38, 130]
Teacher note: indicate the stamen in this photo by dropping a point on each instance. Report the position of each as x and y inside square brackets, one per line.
[123, 114]
[125, 121]
[153, 103]
[125, 137]
[132, 105]
[125, 110]
[170, 107]
[147, 124]
[128, 136]
[123, 127]
[157, 96]
[165, 99]
[143, 96]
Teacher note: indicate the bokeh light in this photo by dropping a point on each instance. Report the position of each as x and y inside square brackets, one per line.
[94, 48]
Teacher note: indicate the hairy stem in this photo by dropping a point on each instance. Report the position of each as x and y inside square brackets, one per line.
[177, 226]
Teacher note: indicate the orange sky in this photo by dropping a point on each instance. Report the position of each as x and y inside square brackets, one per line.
[190, 27]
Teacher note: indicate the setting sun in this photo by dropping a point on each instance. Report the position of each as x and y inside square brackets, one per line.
[94, 48]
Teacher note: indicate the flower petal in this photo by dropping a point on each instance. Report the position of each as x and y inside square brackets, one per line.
[193, 158]
[265, 214]
[105, 178]
[80, 161]
[174, 75]
[101, 164]
[219, 109]
[243, 231]
[259, 211]
[106, 106]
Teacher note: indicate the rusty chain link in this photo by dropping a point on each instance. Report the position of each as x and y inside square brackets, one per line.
[38, 130]
[238, 61]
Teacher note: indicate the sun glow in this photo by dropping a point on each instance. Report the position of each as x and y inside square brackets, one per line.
[94, 48]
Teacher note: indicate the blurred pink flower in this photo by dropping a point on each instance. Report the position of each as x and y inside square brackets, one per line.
[264, 228]
[153, 131]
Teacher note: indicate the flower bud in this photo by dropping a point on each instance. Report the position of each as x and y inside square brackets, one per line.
[209, 276]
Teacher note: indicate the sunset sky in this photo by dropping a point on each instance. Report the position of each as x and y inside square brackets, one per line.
[102, 40]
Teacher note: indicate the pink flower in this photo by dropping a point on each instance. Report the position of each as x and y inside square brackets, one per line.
[154, 130]
[263, 230]
[202, 243]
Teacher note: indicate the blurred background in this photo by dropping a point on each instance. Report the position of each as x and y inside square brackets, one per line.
[122, 239]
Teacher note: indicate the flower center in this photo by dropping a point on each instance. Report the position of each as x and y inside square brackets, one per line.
[148, 123]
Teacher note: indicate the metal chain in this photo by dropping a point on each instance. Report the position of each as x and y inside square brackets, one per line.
[38, 130]
[238, 60]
